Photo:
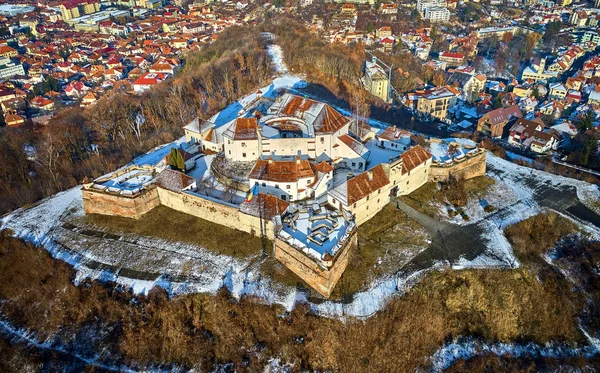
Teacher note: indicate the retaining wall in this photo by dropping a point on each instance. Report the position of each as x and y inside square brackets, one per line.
[219, 213]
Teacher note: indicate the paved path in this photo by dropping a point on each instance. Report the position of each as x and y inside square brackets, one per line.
[449, 242]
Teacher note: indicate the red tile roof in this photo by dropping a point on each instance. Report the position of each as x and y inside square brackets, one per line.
[283, 171]
[173, 180]
[414, 157]
[366, 183]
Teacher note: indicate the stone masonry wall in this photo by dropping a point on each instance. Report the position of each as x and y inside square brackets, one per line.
[308, 270]
[99, 202]
[213, 211]
[469, 168]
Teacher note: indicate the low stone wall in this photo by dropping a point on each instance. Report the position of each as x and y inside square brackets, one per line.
[469, 167]
[129, 206]
[213, 211]
[320, 279]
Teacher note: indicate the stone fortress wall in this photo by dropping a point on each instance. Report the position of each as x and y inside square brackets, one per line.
[472, 165]
[217, 212]
[323, 280]
[129, 206]
[321, 276]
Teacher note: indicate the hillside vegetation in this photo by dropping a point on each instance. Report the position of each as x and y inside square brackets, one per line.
[532, 303]
[79, 143]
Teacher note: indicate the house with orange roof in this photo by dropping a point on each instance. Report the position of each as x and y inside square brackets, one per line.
[291, 180]
[12, 119]
[42, 103]
[147, 81]
[89, 99]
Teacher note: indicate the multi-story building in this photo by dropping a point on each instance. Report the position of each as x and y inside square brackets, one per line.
[77, 8]
[422, 5]
[494, 122]
[452, 58]
[8, 52]
[9, 68]
[291, 180]
[436, 102]
[437, 14]
[376, 80]
[537, 71]
[558, 91]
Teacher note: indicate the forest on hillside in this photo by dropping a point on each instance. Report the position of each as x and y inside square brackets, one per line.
[82, 143]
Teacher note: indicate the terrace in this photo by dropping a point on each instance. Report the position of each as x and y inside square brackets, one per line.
[126, 181]
[316, 231]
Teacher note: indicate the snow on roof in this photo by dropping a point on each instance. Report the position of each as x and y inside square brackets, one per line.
[394, 134]
[319, 233]
[243, 129]
[353, 144]
[174, 181]
[317, 115]
[271, 206]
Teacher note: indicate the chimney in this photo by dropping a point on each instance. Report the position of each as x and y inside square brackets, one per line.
[297, 159]
[270, 160]
[370, 175]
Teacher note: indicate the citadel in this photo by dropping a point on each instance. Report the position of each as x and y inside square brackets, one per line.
[319, 175]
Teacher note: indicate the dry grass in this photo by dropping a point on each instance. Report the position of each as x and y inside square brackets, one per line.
[200, 330]
[175, 226]
[385, 243]
[477, 186]
[493, 363]
[422, 198]
[426, 198]
[539, 233]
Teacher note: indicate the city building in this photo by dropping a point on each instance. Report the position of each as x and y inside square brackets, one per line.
[9, 68]
[437, 14]
[436, 102]
[376, 80]
[76, 8]
[493, 122]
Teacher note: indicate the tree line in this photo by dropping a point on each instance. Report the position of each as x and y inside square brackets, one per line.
[81, 143]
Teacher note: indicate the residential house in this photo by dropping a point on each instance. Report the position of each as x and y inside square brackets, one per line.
[394, 138]
[494, 122]
[436, 102]
[531, 134]
[376, 80]
[558, 91]
[147, 81]
[452, 58]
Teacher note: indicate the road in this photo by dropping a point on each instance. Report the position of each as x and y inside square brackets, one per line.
[577, 65]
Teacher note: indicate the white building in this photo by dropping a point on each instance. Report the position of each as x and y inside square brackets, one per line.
[291, 179]
[422, 5]
[9, 68]
[437, 14]
[293, 126]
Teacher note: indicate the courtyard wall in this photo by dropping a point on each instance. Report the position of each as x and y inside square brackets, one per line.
[214, 211]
